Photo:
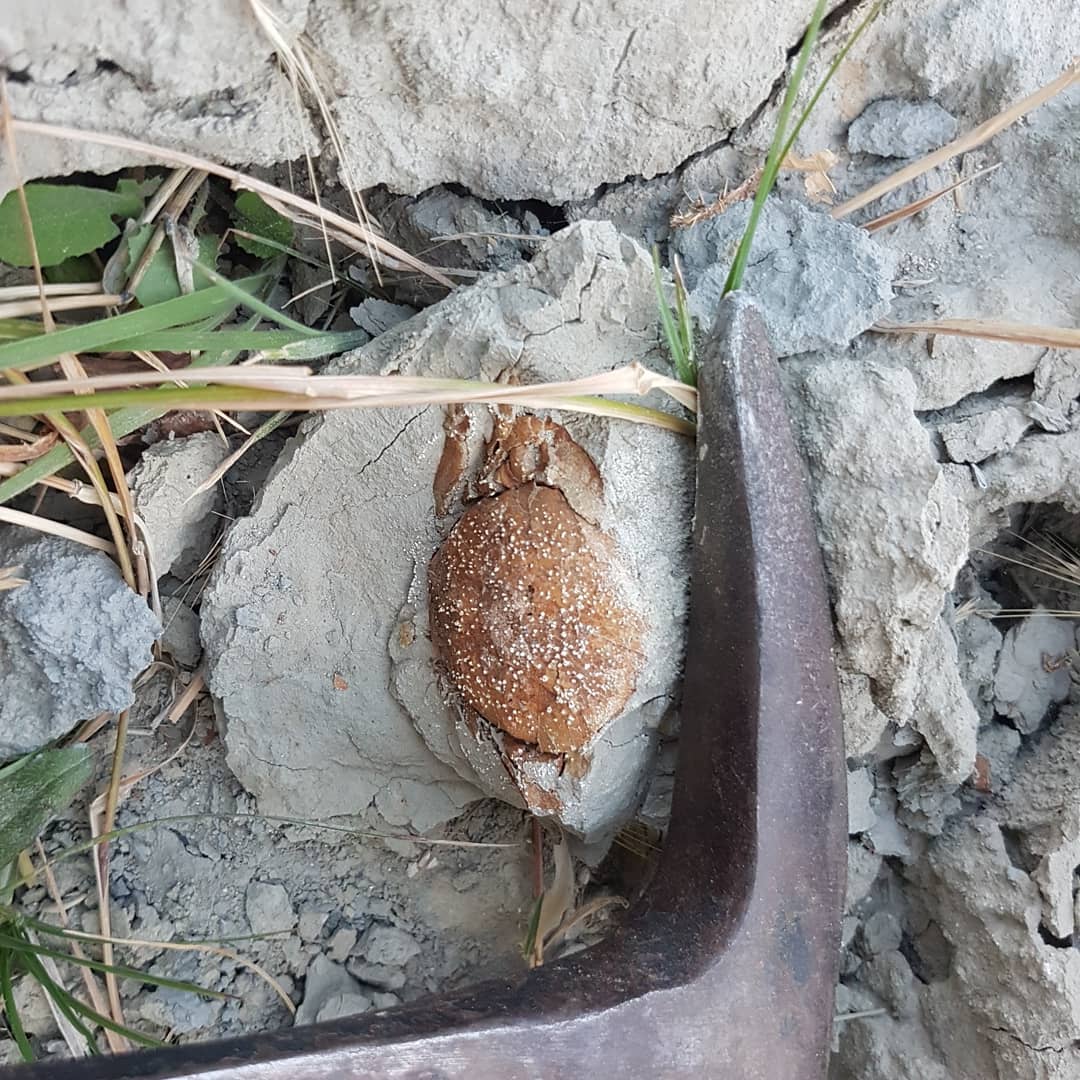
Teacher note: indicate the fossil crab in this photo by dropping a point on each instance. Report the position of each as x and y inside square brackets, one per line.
[534, 614]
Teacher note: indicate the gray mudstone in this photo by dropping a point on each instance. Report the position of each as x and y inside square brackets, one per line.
[818, 282]
[894, 530]
[72, 640]
[268, 908]
[978, 437]
[893, 128]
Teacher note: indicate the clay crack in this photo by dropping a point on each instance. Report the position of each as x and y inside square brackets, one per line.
[389, 446]
[1071, 1045]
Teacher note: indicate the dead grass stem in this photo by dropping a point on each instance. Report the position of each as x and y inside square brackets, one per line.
[1051, 337]
[356, 235]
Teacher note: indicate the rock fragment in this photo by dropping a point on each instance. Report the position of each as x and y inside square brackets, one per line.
[330, 992]
[861, 816]
[1031, 674]
[1057, 382]
[818, 282]
[873, 475]
[180, 631]
[1010, 1001]
[864, 866]
[389, 946]
[457, 231]
[892, 128]
[377, 316]
[1043, 803]
[268, 907]
[978, 437]
[72, 640]
[301, 649]
[978, 643]
[180, 524]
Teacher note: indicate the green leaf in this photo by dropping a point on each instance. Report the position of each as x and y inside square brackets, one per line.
[254, 216]
[30, 795]
[68, 220]
[18, 329]
[159, 282]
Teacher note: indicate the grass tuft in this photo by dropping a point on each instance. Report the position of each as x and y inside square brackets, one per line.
[677, 323]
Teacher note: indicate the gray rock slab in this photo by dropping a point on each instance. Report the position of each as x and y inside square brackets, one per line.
[382, 976]
[377, 316]
[456, 231]
[72, 640]
[389, 946]
[180, 631]
[268, 907]
[338, 1006]
[1042, 802]
[515, 101]
[978, 642]
[561, 100]
[882, 933]
[819, 282]
[1057, 381]
[864, 866]
[1000, 745]
[1004, 977]
[894, 532]
[947, 369]
[893, 128]
[103, 68]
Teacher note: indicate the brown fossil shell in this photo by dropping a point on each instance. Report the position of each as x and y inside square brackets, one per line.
[533, 618]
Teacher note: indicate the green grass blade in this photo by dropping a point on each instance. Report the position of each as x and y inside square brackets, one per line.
[183, 340]
[82, 938]
[129, 1033]
[14, 1021]
[27, 948]
[252, 303]
[154, 398]
[122, 422]
[772, 162]
[667, 320]
[327, 343]
[35, 352]
[19, 329]
[685, 326]
[73, 1009]
[61, 998]
[857, 33]
[273, 344]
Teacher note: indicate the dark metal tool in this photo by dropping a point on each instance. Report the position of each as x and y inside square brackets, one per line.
[727, 966]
